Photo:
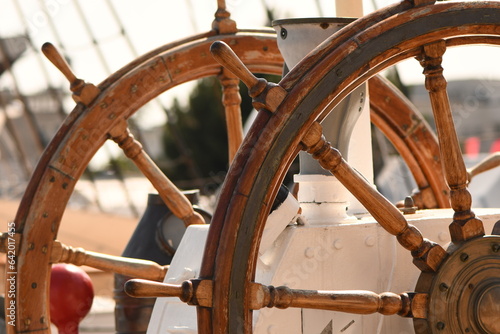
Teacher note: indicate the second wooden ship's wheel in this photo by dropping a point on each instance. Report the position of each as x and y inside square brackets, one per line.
[288, 124]
[458, 288]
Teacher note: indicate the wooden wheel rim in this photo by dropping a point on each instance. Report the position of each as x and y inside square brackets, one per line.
[238, 223]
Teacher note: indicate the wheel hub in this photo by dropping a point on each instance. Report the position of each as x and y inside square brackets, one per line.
[488, 309]
[464, 295]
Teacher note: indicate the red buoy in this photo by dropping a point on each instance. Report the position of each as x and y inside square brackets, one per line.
[71, 296]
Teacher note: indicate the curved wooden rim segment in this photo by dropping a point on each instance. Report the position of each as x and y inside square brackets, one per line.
[239, 218]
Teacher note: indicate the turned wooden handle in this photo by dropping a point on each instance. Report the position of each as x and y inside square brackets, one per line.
[141, 288]
[349, 301]
[117, 264]
[465, 224]
[427, 256]
[200, 292]
[50, 51]
[227, 58]
[193, 292]
[83, 92]
[490, 162]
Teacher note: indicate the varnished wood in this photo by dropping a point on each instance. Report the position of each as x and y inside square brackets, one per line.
[427, 255]
[465, 224]
[117, 264]
[175, 200]
[86, 129]
[145, 289]
[231, 99]
[199, 292]
[226, 57]
[265, 95]
[181, 66]
[423, 2]
[15, 239]
[456, 289]
[490, 162]
[405, 127]
[195, 292]
[82, 92]
[349, 301]
[78, 256]
[342, 62]
[222, 23]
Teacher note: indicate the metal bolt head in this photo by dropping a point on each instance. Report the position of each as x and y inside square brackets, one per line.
[464, 257]
[283, 33]
[409, 206]
[440, 325]
[309, 252]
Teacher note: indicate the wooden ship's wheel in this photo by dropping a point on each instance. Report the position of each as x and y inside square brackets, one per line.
[457, 291]
[290, 122]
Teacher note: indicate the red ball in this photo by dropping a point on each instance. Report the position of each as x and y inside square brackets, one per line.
[71, 296]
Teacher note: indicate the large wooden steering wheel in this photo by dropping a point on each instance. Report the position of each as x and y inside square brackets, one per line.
[458, 287]
[102, 113]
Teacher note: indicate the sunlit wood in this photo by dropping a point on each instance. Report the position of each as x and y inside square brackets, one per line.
[176, 201]
[121, 265]
[196, 292]
[265, 95]
[490, 162]
[199, 292]
[231, 100]
[465, 224]
[82, 92]
[427, 255]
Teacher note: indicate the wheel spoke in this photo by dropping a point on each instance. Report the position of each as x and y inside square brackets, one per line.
[80, 257]
[490, 162]
[465, 224]
[496, 228]
[121, 265]
[231, 99]
[427, 255]
[349, 301]
[194, 292]
[199, 292]
[222, 22]
[169, 193]
[265, 95]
